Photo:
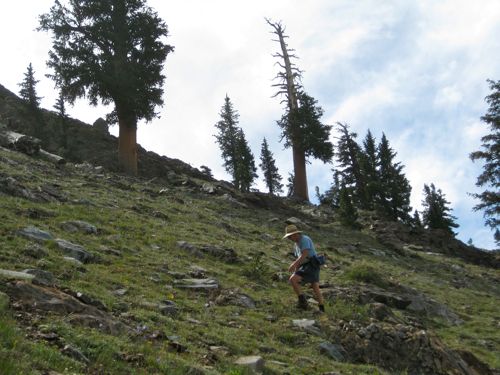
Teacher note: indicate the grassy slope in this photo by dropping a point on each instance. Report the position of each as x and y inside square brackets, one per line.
[123, 210]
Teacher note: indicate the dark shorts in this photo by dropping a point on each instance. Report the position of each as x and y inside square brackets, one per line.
[309, 273]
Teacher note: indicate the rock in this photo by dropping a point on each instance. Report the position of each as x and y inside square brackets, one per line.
[208, 188]
[41, 277]
[299, 223]
[74, 251]
[190, 248]
[236, 299]
[225, 254]
[10, 186]
[333, 351]
[78, 226]
[174, 346]
[389, 299]
[73, 261]
[308, 326]
[423, 304]
[32, 297]
[303, 323]
[52, 193]
[15, 275]
[35, 251]
[168, 308]
[33, 233]
[254, 364]
[197, 283]
[381, 311]
[400, 348]
[120, 292]
[88, 300]
[234, 201]
[197, 272]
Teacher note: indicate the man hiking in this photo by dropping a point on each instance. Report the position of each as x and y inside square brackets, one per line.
[305, 268]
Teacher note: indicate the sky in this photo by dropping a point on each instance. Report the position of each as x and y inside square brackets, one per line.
[415, 70]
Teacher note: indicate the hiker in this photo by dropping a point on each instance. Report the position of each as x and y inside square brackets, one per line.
[305, 268]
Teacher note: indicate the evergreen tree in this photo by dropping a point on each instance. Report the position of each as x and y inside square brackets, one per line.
[238, 158]
[347, 212]
[331, 197]
[301, 126]
[268, 165]
[290, 185]
[63, 119]
[32, 100]
[245, 172]
[490, 154]
[28, 89]
[416, 221]
[206, 171]
[112, 52]
[369, 162]
[348, 164]
[394, 188]
[226, 137]
[436, 214]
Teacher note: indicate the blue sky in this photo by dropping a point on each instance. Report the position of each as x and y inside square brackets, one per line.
[415, 70]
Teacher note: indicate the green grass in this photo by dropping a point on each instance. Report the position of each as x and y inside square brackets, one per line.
[136, 249]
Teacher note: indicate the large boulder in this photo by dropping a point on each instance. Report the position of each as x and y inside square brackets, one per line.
[401, 347]
[40, 299]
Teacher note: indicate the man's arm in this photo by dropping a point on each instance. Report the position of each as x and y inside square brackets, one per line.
[296, 264]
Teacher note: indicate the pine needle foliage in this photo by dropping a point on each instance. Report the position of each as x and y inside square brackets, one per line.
[490, 155]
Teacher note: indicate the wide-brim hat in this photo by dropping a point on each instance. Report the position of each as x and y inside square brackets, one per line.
[291, 229]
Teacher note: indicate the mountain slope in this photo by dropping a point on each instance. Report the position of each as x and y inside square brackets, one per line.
[181, 274]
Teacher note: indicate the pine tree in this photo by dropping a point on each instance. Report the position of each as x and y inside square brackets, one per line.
[290, 185]
[369, 162]
[268, 165]
[227, 128]
[346, 211]
[348, 164]
[110, 52]
[238, 158]
[63, 119]
[490, 154]
[206, 171]
[394, 189]
[28, 89]
[301, 126]
[436, 214]
[416, 221]
[245, 172]
[32, 100]
[331, 197]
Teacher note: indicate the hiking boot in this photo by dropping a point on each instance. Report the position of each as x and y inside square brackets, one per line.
[302, 302]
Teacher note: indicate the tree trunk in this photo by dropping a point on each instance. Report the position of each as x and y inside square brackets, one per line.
[127, 148]
[300, 176]
[299, 159]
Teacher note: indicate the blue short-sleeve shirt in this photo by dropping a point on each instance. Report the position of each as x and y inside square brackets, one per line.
[305, 243]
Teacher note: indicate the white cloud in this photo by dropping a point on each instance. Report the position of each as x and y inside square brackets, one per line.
[413, 70]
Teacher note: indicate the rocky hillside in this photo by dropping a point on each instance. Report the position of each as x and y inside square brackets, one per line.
[174, 273]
